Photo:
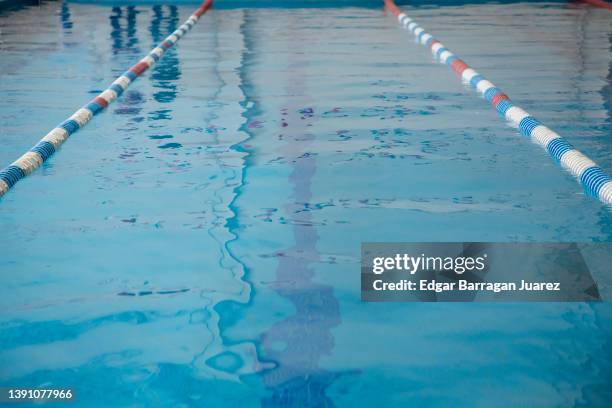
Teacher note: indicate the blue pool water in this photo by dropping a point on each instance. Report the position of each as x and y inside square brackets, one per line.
[198, 243]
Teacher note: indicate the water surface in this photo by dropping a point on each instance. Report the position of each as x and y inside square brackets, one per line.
[198, 243]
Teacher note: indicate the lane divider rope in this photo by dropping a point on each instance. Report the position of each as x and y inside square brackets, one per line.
[49, 144]
[593, 178]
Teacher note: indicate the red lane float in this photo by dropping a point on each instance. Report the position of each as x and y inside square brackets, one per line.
[595, 181]
[49, 144]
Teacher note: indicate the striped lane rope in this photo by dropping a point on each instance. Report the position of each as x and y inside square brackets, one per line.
[593, 178]
[49, 144]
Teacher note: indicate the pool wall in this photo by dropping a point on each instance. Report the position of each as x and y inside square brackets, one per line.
[228, 4]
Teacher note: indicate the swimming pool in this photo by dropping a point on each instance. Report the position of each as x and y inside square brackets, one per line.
[198, 243]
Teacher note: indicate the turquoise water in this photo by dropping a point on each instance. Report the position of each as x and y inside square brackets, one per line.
[198, 243]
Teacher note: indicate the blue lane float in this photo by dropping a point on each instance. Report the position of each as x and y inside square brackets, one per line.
[592, 177]
[49, 144]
